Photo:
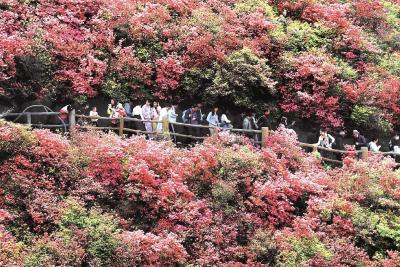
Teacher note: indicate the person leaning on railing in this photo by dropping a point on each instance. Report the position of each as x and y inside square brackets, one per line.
[225, 122]
[373, 145]
[339, 144]
[325, 140]
[64, 112]
[93, 113]
[359, 140]
[172, 116]
[213, 120]
[147, 114]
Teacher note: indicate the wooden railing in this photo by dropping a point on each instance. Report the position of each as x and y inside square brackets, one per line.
[121, 129]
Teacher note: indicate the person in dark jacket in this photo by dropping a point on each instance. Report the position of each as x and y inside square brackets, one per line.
[359, 140]
[195, 118]
[394, 143]
[238, 121]
[339, 144]
[265, 120]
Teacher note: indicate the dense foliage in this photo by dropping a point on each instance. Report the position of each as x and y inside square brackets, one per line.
[328, 61]
[98, 200]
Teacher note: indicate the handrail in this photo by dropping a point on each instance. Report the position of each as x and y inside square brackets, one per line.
[327, 149]
[315, 147]
[31, 113]
[109, 118]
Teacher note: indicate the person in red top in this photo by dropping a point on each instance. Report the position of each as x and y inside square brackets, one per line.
[118, 113]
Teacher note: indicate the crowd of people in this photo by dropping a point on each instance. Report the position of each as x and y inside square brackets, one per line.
[150, 116]
[326, 140]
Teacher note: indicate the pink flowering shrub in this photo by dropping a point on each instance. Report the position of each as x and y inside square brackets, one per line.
[303, 57]
[99, 200]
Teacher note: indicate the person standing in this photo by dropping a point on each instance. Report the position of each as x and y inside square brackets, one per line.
[225, 122]
[249, 124]
[325, 140]
[195, 119]
[118, 113]
[94, 120]
[264, 120]
[394, 143]
[128, 106]
[147, 115]
[255, 126]
[162, 115]
[156, 109]
[172, 116]
[112, 107]
[213, 120]
[199, 107]
[359, 140]
[339, 144]
[83, 110]
[373, 145]
[137, 114]
[64, 113]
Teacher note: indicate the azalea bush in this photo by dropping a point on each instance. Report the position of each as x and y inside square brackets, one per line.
[98, 200]
[317, 60]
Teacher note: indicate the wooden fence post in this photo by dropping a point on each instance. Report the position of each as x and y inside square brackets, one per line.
[165, 123]
[121, 126]
[29, 118]
[264, 135]
[315, 148]
[72, 119]
[364, 153]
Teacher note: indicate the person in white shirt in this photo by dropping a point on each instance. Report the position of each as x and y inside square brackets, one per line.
[225, 122]
[155, 110]
[172, 116]
[213, 120]
[373, 145]
[162, 115]
[325, 140]
[137, 114]
[93, 113]
[147, 114]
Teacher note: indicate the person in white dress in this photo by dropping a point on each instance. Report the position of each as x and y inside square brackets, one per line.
[162, 115]
[147, 114]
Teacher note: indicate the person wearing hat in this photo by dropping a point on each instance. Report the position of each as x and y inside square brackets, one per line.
[359, 140]
[119, 112]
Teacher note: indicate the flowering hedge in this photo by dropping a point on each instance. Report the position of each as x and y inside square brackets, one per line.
[98, 200]
[316, 59]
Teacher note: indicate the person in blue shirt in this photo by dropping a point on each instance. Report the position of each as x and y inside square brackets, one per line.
[213, 120]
